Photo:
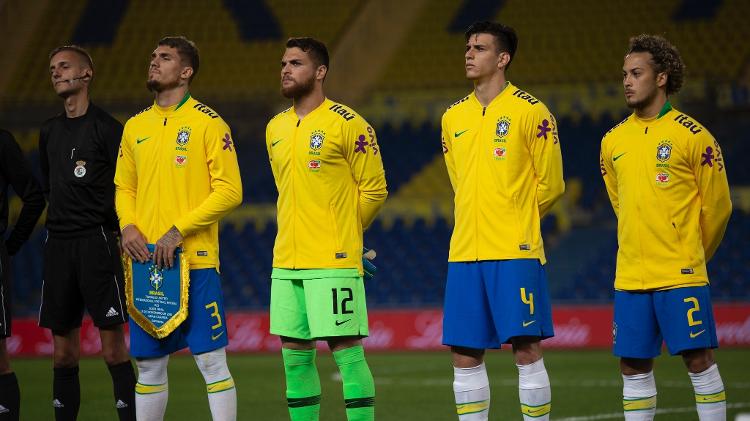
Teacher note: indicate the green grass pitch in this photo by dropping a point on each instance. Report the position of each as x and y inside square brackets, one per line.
[586, 385]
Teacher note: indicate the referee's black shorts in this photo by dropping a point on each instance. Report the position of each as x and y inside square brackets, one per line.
[5, 293]
[82, 270]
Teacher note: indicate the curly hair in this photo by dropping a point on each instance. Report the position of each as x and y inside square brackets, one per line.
[664, 56]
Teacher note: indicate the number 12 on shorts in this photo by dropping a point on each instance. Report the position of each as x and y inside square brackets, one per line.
[344, 301]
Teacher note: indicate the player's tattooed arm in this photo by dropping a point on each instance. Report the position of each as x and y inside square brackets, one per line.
[165, 247]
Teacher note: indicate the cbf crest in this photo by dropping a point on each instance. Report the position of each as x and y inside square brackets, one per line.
[663, 151]
[503, 127]
[183, 136]
[316, 139]
[155, 277]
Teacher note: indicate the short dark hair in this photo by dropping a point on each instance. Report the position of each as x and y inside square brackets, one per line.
[186, 49]
[316, 49]
[505, 36]
[76, 49]
[665, 57]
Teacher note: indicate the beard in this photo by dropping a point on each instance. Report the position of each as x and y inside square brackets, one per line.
[298, 90]
[156, 86]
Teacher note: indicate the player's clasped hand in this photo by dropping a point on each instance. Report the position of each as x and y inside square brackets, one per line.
[134, 244]
[165, 247]
[368, 255]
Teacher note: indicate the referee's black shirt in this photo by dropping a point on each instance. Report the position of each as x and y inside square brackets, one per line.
[15, 172]
[78, 157]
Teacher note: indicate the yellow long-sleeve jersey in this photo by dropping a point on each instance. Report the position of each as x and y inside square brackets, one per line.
[178, 166]
[667, 182]
[505, 167]
[329, 174]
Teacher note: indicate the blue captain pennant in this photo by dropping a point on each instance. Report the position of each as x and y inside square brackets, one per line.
[157, 298]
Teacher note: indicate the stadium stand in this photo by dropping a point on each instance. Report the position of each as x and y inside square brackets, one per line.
[239, 59]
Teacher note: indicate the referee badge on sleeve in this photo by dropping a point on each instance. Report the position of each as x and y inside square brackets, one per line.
[157, 298]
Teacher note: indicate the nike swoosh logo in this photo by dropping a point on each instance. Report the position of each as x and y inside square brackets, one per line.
[275, 142]
[528, 323]
[618, 156]
[143, 139]
[693, 335]
[215, 337]
[339, 323]
[457, 134]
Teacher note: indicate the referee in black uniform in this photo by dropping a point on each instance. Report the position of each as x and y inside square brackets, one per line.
[14, 172]
[82, 268]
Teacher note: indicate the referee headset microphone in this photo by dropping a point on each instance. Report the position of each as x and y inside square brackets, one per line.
[86, 76]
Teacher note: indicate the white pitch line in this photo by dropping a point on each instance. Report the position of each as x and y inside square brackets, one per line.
[618, 415]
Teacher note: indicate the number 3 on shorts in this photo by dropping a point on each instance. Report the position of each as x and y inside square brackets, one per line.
[528, 300]
[696, 307]
[215, 313]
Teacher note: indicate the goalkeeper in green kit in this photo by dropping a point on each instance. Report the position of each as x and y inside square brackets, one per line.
[328, 170]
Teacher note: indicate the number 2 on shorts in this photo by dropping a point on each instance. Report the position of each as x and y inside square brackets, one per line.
[344, 301]
[696, 307]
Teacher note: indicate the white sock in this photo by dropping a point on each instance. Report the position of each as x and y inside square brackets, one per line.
[471, 388]
[639, 396]
[534, 391]
[222, 396]
[710, 398]
[151, 391]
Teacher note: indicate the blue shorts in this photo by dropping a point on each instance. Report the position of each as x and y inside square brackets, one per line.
[204, 329]
[681, 317]
[487, 303]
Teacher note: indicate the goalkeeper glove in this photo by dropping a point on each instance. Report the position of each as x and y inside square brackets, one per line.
[370, 269]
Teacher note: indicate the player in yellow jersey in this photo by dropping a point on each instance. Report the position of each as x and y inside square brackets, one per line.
[328, 170]
[666, 178]
[177, 175]
[502, 152]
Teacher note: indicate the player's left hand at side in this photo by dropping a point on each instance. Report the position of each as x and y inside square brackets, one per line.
[368, 255]
[165, 247]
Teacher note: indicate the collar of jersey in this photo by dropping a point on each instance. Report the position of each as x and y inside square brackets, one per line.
[664, 111]
[172, 109]
[325, 104]
[507, 90]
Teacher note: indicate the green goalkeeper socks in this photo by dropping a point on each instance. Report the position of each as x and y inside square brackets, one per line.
[302, 384]
[359, 387]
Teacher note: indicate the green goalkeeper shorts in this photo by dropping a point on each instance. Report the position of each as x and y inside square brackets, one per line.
[318, 303]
